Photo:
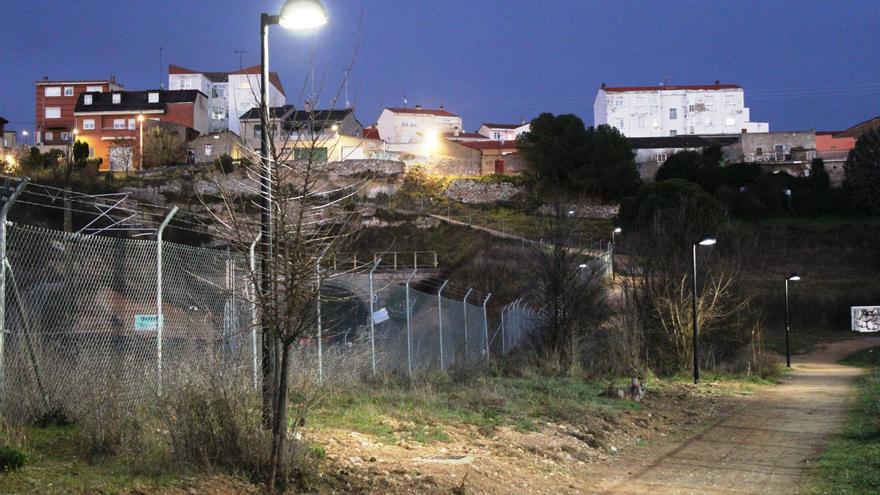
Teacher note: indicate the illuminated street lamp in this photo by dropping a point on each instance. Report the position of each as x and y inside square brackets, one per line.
[297, 15]
[616, 230]
[140, 119]
[707, 240]
[25, 134]
[794, 277]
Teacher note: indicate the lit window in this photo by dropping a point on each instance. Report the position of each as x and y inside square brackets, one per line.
[68, 91]
[119, 123]
[673, 114]
[131, 124]
[153, 98]
[88, 124]
[94, 89]
[53, 112]
[87, 99]
[53, 91]
[117, 98]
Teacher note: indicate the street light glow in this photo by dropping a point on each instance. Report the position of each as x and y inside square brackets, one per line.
[708, 240]
[618, 230]
[301, 15]
[140, 117]
[582, 265]
[794, 277]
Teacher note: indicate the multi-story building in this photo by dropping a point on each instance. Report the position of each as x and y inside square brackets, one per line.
[230, 94]
[406, 126]
[653, 111]
[55, 101]
[504, 132]
[110, 123]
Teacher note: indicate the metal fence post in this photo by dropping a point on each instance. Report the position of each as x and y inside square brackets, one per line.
[318, 303]
[440, 321]
[502, 328]
[465, 307]
[486, 324]
[160, 320]
[372, 321]
[253, 290]
[3, 214]
[409, 324]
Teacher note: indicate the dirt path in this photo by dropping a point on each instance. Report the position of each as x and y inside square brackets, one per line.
[764, 444]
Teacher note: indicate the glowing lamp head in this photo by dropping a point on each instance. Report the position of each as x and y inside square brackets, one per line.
[708, 240]
[302, 15]
[140, 117]
[618, 230]
[334, 127]
[794, 277]
[24, 133]
[582, 266]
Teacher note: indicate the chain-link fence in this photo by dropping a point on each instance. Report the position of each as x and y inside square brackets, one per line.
[81, 307]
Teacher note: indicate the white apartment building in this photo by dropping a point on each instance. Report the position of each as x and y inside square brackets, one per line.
[230, 94]
[416, 125]
[654, 111]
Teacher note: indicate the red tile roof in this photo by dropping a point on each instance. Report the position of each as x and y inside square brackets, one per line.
[371, 133]
[695, 87]
[504, 126]
[465, 135]
[489, 145]
[423, 111]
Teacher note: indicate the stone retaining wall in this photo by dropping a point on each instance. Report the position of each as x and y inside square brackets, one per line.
[866, 318]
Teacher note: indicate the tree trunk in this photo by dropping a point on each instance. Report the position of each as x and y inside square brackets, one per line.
[279, 420]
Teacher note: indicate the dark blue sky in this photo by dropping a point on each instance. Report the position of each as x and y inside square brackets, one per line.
[803, 64]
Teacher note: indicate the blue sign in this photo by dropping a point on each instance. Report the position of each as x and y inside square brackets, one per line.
[146, 323]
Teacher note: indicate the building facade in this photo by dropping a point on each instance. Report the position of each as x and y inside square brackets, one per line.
[230, 94]
[653, 111]
[111, 123]
[417, 124]
[55, 102]
[504, 132]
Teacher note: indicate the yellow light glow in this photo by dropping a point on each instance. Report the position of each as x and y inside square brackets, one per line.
[334, 128]
[140, 117]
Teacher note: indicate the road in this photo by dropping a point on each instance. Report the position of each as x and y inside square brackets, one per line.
[765, 444]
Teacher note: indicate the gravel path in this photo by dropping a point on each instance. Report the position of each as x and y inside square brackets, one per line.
[765, 443]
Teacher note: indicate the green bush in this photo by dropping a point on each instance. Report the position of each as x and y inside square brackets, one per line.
[11, 459]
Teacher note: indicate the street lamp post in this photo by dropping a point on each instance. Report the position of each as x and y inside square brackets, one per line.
[25, 134]
[794, 277]
[295, 15]
[140, 119]
[708, 240]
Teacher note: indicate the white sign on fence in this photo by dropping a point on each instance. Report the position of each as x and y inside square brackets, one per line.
[380, 316]
[865, 318]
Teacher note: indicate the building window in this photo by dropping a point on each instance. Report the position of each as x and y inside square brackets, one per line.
[153, 98]
[208, 150]
[707, 121]
[94, 89]
[691, 109]
[89, 124]
[117, 98]
[317, 155]
[779, 150]
[660, 157]
[497, 136]
[50, 135]
[65, 136]
[119, 123]
[52, 91]
[673, 114]
[218, 113]
[620, 123]
[691, 130]
[619, 102]
[642, 123]
[759, 151]
[53, 112]
[673, 132]
[68, 90]
[131, 124]
[87, 99]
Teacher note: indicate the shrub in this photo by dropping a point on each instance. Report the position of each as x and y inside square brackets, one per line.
[11, 459]
[225, 163]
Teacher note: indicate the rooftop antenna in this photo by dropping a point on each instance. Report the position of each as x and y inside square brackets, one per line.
[405, 103]
[665, 80]
[240, 53]
[161, 82]
[345, 81]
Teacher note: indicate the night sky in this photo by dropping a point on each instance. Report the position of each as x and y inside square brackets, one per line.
[803, 64]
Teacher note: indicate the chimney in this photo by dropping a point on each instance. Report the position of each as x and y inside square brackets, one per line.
[441, 107]
[113, 79]
[418, 107]
[603, 85]
[45, 78]
[717, 82]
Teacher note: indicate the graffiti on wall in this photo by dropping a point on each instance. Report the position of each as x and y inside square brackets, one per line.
[865, 318]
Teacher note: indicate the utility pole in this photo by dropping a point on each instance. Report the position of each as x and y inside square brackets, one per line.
[240, 53]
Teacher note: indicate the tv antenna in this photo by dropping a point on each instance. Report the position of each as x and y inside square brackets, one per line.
[347, 72]
[240, 53]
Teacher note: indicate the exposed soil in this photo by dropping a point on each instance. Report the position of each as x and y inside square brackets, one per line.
[682, 442]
